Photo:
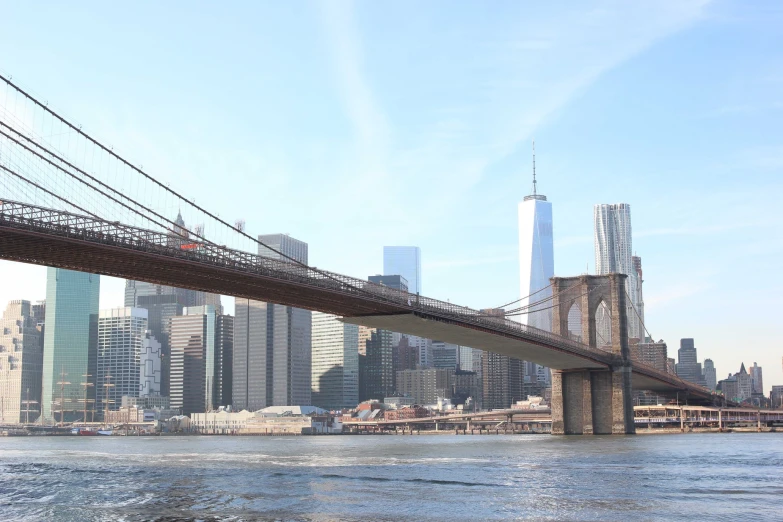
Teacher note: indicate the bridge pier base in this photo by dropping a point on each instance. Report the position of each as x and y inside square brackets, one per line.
[592, 402]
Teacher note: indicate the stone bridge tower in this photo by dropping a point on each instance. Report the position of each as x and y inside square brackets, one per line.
[589, 401]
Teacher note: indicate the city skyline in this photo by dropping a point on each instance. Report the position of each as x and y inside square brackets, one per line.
[469, 238]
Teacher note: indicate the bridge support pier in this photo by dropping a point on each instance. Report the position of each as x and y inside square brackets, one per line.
[589, 402]
[593, 401]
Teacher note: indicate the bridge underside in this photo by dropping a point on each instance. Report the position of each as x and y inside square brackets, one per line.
[436, 328]
[432, 328]
[116, 261]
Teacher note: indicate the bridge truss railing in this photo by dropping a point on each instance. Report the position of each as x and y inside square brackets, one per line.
[96, 230]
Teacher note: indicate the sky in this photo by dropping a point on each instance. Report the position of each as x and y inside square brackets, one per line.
[354, 125]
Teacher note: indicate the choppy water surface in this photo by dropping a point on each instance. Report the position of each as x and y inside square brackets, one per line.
[694, 476]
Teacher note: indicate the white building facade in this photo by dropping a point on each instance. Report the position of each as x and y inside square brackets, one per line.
[536, 260]
[21, 363]
[126, 352]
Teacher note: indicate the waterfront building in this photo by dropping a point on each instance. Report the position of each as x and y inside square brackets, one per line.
[335, 362]
[465, 386]
[197, 359]
[465, 358]
[744, 384]
[395, 281]
[424, 349]
[710, 375]
[376, 367]
[21, 364]
[737, 387]
[728, 387]
[70, 344]
[406, 262]
[425, 385]
[536, 257]
[776, 396]
[128, 357]
[688, 367]
[189, 338]
[502, 379]
[614, 254]
[444, 355]
[273, 343]
[406, 356]
[650, 353]
[757, 379]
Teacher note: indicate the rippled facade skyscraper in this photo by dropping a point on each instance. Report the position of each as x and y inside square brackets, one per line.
[614, 254]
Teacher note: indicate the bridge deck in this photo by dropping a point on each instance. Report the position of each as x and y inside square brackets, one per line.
[49, 237]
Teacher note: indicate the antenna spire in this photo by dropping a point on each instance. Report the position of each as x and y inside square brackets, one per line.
[535, 194]
[534, 168]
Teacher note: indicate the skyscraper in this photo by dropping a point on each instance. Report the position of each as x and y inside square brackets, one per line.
[199, 341]
[252, 382]
[688, 367]
[21, 361]
[376, 368]
[272, 343]
[164, 302]
[404, 261]
[70, 344]
[335, 362]
[395, 281]
[503, 379]
[122, 342]
[536, 257]
[638, 298]
[614, 254]
[652, 354]
[710, 375]
[756, 377]
[189, 344]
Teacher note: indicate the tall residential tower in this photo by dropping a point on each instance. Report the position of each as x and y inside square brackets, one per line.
[614, 254]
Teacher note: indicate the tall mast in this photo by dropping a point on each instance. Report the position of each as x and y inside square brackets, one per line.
[86, 383]
[535, 193]
[62, 384]
[107, 385]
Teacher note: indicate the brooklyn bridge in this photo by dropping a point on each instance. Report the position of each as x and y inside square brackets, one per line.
[69, 201]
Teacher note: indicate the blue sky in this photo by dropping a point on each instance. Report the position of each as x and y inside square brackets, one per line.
[357, 125]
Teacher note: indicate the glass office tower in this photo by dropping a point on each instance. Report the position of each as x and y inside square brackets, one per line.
[70, 343]
[404, 261]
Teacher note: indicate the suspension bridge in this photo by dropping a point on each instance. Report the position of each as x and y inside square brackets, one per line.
[69, 201]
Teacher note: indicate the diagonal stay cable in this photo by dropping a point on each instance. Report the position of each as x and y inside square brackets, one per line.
[641, 321]
[176, 194]
[536, 303]
[92, 178]
[529, 295]
[89, 186]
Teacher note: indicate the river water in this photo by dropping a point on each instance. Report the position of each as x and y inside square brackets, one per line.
[419, 477]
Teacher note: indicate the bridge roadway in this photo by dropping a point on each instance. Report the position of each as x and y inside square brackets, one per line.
[43, 236]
